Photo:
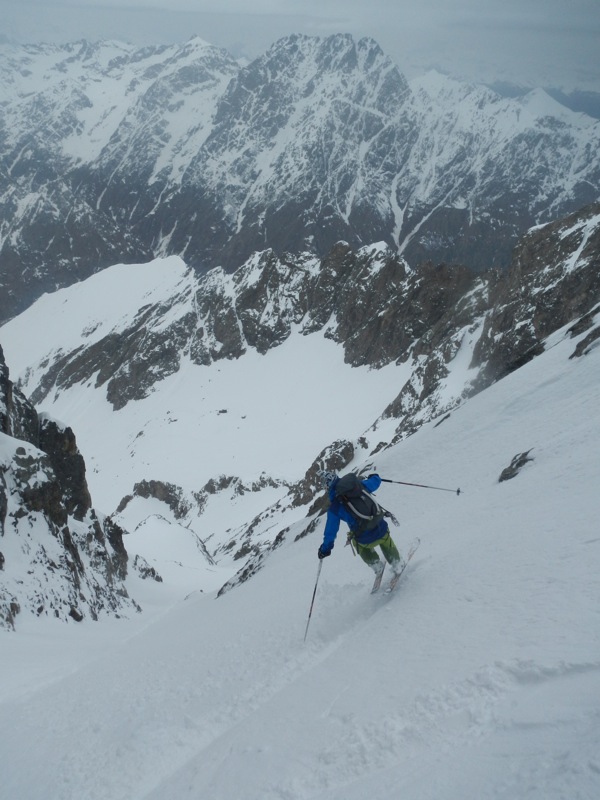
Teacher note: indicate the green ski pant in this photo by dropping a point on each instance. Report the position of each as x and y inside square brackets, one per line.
[388, 548]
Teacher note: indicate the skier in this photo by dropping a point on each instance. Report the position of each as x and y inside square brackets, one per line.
[364, 535]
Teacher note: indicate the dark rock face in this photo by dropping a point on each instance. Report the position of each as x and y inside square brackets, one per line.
[588, 342]
[17, 415]
[165, 492]
[515, 466]
[39, 496]
[554, 279]
[108, 357]
[68, 465]
[334, 458]
[145, 570]
[58, 557]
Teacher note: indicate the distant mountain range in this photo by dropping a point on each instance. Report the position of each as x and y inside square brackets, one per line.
[110, 153]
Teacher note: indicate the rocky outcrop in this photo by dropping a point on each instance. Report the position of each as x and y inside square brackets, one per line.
[185, 509]
[164, 492]
[17, 416]
[554, 279]
[60, 446]
[515, 466]
[505, 317]
[587, 323]
[59, 557]
[334, 458]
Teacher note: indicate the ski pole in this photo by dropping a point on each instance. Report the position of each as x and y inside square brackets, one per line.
[421, 486]
[313, 598]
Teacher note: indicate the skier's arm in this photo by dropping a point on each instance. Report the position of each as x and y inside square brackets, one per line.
[332, 527]
[372, 483]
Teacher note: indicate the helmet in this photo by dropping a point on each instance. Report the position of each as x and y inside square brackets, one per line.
[326, 478]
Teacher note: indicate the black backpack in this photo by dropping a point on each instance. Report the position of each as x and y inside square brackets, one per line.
[359, 503]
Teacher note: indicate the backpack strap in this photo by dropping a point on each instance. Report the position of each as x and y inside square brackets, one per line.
[357, 513]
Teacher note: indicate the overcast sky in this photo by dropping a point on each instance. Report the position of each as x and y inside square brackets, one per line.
[532, 42]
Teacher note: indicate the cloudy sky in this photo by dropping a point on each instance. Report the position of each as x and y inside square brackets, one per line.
[532, 42]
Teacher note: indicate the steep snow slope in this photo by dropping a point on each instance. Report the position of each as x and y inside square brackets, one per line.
[479, 677]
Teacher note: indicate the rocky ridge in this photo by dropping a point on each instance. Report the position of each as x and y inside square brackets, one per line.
[371, 302]
[58, 557]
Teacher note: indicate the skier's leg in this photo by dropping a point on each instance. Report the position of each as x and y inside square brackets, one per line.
[369, 556]
[390, 551]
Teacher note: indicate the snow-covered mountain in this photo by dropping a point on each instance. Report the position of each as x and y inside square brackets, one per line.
[479, 677]
[184, 390]
[110, 153]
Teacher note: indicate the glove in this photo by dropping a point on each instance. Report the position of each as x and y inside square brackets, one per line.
[373, 475]
[324, 551]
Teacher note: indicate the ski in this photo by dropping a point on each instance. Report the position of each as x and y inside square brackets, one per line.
[377, 582]
[394, 581]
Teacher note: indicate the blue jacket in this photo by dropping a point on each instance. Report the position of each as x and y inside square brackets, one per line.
[337, 513]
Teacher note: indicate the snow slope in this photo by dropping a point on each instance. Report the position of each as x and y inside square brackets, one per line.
[479, 677]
